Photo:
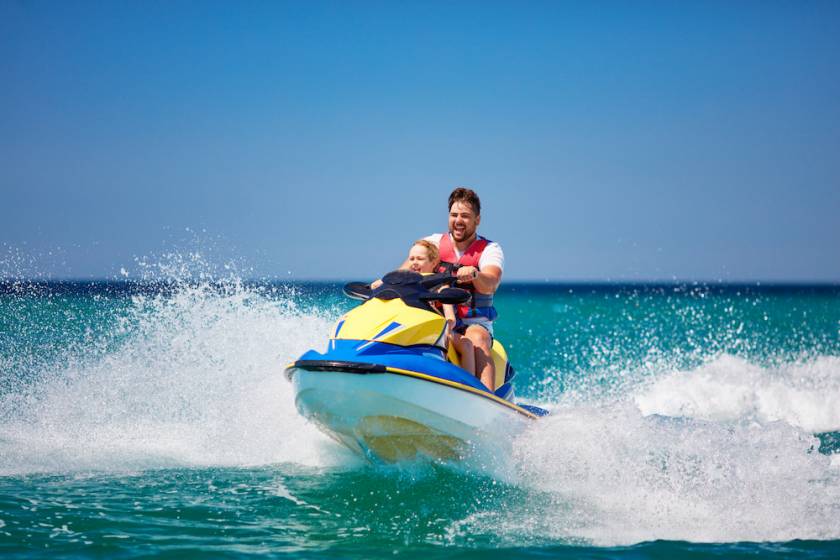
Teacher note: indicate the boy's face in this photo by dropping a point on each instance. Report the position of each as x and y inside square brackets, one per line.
[418, 260]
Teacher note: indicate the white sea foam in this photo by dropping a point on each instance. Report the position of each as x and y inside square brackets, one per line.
[806, 395]
[609, 475]
[723, 453]
[194, 379]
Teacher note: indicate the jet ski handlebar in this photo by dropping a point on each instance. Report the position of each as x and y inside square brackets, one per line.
[433, 281]
[358, 290]
[411, 287]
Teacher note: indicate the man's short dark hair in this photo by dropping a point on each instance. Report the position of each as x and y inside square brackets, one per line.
[462, 194]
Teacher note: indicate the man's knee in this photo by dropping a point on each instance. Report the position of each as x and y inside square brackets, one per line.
[480, 338]
[464, 344]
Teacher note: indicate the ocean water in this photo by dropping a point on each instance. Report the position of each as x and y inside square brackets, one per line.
[152, 418]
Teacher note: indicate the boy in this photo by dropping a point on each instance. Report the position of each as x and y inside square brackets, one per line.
[423, 258]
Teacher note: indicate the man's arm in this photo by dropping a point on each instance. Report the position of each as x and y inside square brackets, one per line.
[485, 281]
[488, 275]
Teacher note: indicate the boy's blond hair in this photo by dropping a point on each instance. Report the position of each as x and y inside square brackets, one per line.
[431, 249]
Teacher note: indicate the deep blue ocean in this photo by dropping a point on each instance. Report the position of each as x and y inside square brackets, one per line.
[153, 419]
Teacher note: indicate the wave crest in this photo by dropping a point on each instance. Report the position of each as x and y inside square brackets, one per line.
[805, 395]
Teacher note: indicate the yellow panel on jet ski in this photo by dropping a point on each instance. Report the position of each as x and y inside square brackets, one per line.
[393, 322]
[500, 359]
[394, 439]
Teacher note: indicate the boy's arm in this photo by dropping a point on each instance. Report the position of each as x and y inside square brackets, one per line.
[449, 313]
[378, 282]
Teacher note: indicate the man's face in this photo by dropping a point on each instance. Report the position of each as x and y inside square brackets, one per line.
[462, 221]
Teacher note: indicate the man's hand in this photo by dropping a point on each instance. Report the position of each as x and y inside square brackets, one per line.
[466, 274]
[375, 284]
[486, 281]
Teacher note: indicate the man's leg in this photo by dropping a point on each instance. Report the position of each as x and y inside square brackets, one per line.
[466, 352]
[484, 366]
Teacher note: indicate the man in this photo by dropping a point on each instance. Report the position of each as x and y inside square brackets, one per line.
[481, 264]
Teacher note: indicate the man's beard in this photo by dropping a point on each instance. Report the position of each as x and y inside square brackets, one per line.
[466, 234]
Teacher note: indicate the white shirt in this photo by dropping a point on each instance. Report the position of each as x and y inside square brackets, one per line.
[491, 256]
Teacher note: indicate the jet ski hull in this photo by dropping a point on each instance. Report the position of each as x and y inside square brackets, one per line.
[391, 415]
[390, 387]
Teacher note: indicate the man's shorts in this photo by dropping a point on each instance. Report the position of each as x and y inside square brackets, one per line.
[462, 324]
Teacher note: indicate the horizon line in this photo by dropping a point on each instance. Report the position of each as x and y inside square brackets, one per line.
[518, 281]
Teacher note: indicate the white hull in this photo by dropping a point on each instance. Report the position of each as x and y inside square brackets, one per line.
[389, 417]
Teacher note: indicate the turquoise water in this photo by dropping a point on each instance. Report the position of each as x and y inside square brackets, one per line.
[154, 419]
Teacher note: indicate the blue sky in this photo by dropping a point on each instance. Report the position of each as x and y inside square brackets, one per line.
[608, 140]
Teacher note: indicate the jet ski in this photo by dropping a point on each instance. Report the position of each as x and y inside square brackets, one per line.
[390, 388]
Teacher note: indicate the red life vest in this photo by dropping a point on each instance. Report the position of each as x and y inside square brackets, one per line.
[471, 257]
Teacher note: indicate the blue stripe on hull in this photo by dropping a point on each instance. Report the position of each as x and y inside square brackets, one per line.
[425, 359]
